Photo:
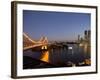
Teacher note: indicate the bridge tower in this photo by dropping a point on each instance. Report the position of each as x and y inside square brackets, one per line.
[28, 43]
[43, 40]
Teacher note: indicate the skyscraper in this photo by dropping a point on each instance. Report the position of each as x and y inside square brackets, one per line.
[89, 34]
[85, 34]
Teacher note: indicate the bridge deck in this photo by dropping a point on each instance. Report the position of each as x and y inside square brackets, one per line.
[32, 46]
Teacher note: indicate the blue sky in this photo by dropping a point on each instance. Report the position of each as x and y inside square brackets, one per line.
[59, 26]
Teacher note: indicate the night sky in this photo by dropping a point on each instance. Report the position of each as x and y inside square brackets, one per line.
[56, 26]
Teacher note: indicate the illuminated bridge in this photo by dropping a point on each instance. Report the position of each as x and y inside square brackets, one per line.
[28, 43]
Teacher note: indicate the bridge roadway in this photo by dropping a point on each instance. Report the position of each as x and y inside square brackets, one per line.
[32, 46]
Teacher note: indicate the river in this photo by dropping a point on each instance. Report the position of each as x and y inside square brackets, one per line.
[73, 54]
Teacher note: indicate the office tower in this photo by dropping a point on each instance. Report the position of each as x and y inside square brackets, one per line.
[85, 35]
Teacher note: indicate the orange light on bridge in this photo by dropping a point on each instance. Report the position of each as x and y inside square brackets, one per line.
[44, 47]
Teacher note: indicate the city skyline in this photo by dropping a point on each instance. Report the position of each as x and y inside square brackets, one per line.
[56, 26]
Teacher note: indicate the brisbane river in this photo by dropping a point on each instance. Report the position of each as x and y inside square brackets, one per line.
[73, 55]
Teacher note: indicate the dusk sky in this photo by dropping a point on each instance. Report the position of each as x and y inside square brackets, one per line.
[56, 26]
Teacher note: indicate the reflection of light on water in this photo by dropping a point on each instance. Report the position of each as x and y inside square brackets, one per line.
[70, 47]
[81, 63]
[80, 45]
[87, 61]
[85, 48]
[45, 56]
[71, 63]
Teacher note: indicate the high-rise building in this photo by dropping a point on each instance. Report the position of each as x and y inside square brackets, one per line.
[87, 35]
[78, 37]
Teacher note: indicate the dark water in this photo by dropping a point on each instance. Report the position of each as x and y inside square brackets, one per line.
[62, 55]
